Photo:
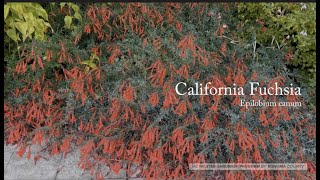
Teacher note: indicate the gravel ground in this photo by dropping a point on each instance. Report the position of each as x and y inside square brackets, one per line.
[16, 168]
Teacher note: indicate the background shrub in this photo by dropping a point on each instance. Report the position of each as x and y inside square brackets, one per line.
[107, 88]
[289, 26]
[25, 20]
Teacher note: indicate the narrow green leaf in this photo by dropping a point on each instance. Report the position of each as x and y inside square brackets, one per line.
[39, 24]
[30, 31]
[12, 34]
[92, 65]
[6, 11]
[75, 7]
[62, 5]
[78, 16]
[89, 63]
[38, 10]
[68, 21]
[17, 7]
[48, 25]
[86, 62]
[28, 16]
[22, 27]
[39, 35]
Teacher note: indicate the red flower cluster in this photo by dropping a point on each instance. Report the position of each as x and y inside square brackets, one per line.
[126, 111]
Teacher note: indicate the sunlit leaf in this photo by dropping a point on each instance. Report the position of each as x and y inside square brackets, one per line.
[22, 27]
[68, 21]
[12, 34]
[6, 11]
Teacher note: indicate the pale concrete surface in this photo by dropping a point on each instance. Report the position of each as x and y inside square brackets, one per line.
[57, 167]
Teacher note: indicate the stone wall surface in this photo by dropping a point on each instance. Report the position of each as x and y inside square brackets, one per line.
[53, 168]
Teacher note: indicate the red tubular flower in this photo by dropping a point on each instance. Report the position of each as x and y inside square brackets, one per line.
[179, 26]
[181, 108]
[129, 94]
[154, 99]
[150, 137]
[115, 53]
